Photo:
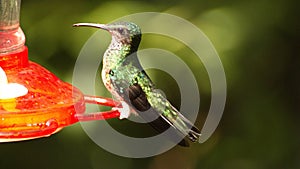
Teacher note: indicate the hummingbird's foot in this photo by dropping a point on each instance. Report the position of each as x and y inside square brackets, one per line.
[124, 110]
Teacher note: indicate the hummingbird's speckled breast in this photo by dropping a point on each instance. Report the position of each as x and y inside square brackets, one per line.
[113, 57]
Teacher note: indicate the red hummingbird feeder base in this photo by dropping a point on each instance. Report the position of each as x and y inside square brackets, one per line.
[49, 105]
[33, 101]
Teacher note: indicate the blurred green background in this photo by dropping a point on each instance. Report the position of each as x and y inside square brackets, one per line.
[258, 43]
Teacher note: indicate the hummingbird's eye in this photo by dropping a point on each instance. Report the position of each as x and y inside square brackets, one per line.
[120, 30]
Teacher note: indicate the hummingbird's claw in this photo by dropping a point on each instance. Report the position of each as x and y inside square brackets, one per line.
[124, 110]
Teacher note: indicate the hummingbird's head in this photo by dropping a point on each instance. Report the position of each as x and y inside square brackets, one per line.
[122, 32]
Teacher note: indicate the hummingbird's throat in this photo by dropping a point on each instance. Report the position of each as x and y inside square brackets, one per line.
[115, 54]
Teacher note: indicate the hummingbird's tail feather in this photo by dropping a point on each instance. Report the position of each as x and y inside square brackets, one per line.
[186, 127]
[194, 134]
[180, 128]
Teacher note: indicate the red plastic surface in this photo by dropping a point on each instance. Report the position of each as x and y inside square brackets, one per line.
[34, 102]
[49, 105]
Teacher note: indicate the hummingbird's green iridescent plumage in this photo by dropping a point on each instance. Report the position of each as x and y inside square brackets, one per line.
[124, 77]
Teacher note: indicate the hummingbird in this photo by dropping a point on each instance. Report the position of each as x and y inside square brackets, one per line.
[124, 77]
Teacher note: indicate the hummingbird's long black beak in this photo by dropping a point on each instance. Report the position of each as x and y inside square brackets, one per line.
[95, 25]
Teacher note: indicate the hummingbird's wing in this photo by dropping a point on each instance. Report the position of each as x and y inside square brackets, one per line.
[136, 88]
[180, 126]
[138, 100]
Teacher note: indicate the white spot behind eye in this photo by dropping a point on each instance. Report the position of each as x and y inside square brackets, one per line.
[10, 90]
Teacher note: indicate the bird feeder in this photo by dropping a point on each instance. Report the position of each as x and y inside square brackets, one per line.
[33, 101]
